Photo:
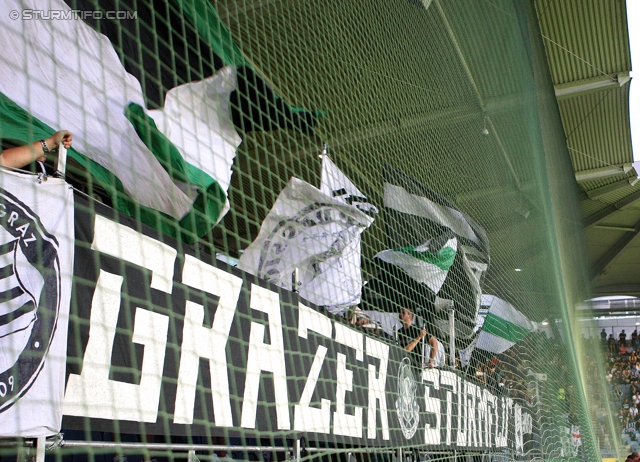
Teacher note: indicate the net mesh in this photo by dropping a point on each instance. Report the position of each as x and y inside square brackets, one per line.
[219, 302]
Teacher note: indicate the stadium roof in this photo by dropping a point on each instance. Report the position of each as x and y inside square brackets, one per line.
[587, 46]
[462, 106]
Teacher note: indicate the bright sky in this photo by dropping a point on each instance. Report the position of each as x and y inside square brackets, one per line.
[613, 297]
[633, 20]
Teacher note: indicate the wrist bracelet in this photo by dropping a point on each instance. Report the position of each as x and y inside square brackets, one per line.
[45, 148]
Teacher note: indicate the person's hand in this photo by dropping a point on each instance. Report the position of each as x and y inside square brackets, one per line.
[62, 137]
[423, 333]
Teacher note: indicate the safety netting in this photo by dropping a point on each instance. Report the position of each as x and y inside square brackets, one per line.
[289, 230]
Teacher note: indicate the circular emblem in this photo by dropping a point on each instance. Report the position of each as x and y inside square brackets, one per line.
[406, 405]
[316, 234]
[29, 297]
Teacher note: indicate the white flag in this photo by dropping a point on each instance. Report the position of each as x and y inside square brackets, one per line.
[334, 183]
[36, 264]
[315, 234]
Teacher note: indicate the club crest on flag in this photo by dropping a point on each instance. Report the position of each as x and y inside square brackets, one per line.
[29, 297]
[271, 265]
[316, 236]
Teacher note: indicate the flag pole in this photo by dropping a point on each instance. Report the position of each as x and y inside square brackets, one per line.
[61, 162]
[424, 345]
[325, 149]
[452, 337]
[295, 281]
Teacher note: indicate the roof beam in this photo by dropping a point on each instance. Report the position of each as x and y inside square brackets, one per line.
[604, 213]
[465, 65]
[440, 118]
[242, 7]
[615, 228]
[602, 172]
[614, 251]
[568, 90]
[602, 190]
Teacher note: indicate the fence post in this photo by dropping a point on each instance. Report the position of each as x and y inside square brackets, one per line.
[296, 450]
[40, 447]
[452, 337]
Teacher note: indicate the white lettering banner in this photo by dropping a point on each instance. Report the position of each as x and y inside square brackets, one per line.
[187, 345]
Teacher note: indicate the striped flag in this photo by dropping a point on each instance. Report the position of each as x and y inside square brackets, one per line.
[69, 76]
[435, 245]
[62, 74]
[428, 263]
[503, 327]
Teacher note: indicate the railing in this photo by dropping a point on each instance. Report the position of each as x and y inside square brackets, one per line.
[33, 450]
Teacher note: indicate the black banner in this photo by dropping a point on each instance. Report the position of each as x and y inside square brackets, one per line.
[164, 339]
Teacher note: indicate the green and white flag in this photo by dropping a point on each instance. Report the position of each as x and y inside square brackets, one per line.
[196, 118]
[69, 77]
[503, 326]
[439, 252]
[65, 75]
[424, 263]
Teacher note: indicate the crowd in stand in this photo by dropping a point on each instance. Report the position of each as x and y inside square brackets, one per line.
[503, 375]
[512, 371]
[506, 373]
[623, 376]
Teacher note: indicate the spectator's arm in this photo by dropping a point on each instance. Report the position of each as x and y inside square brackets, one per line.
[433, 343]
[414, 343]
[21, 156]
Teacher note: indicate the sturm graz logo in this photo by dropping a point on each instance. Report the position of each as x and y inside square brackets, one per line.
[316, 233]
[29, 297]
[406, 404]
